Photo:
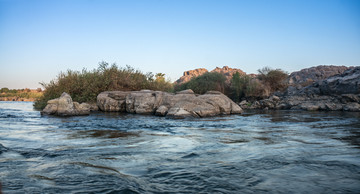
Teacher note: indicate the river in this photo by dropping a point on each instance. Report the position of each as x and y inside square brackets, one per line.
[256, 152]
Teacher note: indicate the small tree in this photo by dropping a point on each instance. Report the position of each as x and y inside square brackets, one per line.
[160, 83]
[4, 90]
[238, 86]
[273, 79]
[160, 77]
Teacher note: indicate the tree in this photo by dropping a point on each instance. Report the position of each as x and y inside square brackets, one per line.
[236, 87]
[160, 77]
[4, 90]
[275, 80]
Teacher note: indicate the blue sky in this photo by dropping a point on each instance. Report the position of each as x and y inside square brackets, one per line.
[40, 38]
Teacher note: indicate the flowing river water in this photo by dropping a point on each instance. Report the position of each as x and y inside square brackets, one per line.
[256, 152]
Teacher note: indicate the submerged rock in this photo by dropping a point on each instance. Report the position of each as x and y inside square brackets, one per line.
[64, 106]
[3, 148]
[181, 104]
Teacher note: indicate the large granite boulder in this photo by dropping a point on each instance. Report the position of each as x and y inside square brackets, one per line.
[181, 104]
[64, 106]
[112, 101]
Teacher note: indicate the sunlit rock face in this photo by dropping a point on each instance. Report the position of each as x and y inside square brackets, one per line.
[64, 106]
[226, 71]
[311, 75]
[190, 74]
[181, 104]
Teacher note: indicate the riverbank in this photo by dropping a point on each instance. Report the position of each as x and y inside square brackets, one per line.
[25, 95]
[17, 99]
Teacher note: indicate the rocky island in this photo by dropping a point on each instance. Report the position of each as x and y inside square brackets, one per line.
[328, 88]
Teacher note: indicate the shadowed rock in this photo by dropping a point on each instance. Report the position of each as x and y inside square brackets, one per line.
[339, 92]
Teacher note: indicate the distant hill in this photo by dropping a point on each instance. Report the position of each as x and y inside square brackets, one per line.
[20, 94]
[227, 71]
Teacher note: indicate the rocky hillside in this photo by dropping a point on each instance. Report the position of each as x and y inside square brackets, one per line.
[311, 75]
[339, 92]
[227, 71]
[187, 75]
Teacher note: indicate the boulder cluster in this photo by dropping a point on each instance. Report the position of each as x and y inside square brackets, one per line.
[179, 105]
[64, 106]
[337, 92]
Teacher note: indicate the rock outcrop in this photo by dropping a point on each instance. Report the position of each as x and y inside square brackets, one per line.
[227, 71]
[181, 104]
[311, 75]
[187, 75]
[346, 83]
[339, 92]
[64, 106]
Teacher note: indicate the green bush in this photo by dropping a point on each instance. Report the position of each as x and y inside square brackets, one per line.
[84, 86]
[206, 82]
[242, 86]
[4, 90]
[274, 79]
[238, 86]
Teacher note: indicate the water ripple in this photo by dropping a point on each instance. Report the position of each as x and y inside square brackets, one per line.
[257, 152]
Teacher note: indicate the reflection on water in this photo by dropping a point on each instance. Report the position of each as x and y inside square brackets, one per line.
[101, 134]
[257, 152]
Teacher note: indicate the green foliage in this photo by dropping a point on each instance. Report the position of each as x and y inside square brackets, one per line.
[4, 90]
[244, 86]
[161, 84]
[238, 86]
[206, 82]
[274, 79]
[84, 86]
[12, 91]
